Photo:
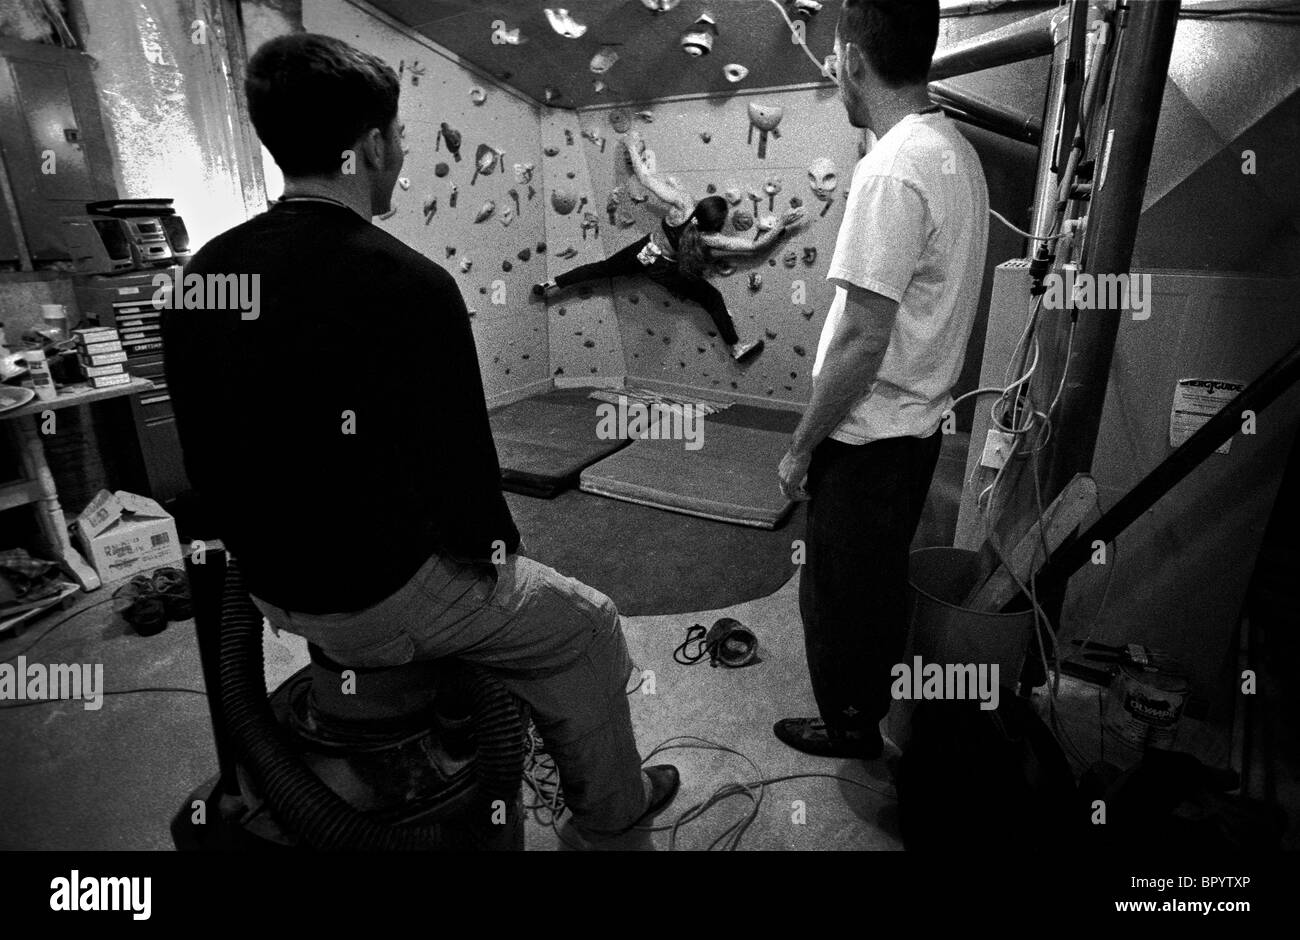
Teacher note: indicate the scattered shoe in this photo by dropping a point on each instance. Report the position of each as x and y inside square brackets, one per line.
[664, 783]
[743, 351]
[153, 600]
[811, 736]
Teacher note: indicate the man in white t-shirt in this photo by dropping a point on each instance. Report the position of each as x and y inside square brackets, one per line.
[907, 268]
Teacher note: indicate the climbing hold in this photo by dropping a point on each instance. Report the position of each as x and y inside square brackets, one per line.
[404, 182]
[568, 137]
[465, 265]
[634, 299]
[710, 189]
[706, 137]
[735, 72]
[477, 95]
[732, 196]
[598, 87]
[552, 151]
[551, 94]
[523, 173]
[800, 351]
[764, 119]
[589, 343]
[441, 170]
[485, 161]
[603, 60]
[659, 6]
[795, 202]
[563, 201]
[698, 40]
[571, 175]
[506, 266]
[807, 313]
[595, 138]
[804, 9]
[620, 120]
[767, 222]
[772, 186]
[453, 194]
[790, 258]
[810, 255]
[567, 253]
[590, 224]
[507, 215]
[451, 251]
[389, 214]
[452, 137]
[562, 22]
[646, 116]
[524, 254]
[770, 334]
[742, 220]
[541, 248]
[430, 209]
[755, 281]
[823, 179]
[486, 211]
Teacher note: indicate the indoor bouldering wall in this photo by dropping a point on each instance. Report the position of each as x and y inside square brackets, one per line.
[461, 201]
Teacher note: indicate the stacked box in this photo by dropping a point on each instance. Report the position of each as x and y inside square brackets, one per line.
[102, 356]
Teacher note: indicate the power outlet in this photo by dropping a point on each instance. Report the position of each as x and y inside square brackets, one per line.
[997, 449]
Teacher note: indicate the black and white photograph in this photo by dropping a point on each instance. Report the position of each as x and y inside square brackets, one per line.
[797, 427]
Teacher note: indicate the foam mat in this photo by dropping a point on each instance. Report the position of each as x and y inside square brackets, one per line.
[544, 442]
[731, 478]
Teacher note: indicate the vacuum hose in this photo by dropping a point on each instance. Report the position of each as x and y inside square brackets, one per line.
[299, 799]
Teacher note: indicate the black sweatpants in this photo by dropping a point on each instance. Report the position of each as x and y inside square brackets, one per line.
[694, 290]
[866, 502]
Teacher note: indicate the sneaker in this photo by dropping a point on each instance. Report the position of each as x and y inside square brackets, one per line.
[664, 783]
[811, 736]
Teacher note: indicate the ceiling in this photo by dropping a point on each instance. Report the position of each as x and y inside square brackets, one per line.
[651, 62]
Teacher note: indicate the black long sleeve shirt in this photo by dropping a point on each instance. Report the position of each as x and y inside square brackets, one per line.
[341, 437]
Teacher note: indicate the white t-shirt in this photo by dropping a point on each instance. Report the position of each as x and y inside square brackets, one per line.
[915, 230]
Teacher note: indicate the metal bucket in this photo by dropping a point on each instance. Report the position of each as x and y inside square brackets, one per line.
[941, 631]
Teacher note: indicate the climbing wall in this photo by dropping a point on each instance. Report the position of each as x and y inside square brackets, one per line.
[703, 144]
[585, 344]
[477, 216]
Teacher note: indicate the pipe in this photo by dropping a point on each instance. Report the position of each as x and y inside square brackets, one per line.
[985, 113]
[1123, 147]
[308, 808]
[1044, 206]
[1256, 396]
[1026, 39]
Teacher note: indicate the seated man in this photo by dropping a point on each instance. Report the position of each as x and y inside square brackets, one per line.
[337, 428]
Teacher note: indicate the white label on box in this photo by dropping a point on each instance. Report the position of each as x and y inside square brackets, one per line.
[123, 291]
[1196, 401]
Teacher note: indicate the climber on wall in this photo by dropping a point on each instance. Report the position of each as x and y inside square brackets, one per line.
[675, 257]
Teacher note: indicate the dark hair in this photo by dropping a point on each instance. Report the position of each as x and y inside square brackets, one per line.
[897, 36]
[310, 97]
[709, 215]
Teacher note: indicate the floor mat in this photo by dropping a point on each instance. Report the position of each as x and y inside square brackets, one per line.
[544, 442]
[730, 478]
[655, 562]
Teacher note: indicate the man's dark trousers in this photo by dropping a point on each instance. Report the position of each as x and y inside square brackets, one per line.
[866, 502]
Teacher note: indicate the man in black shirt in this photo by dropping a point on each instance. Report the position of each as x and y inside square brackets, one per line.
[330, 406]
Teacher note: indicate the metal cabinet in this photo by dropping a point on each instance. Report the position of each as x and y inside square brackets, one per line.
[52, 136]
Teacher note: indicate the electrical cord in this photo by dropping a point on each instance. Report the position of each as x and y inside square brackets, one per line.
[142, 689]
[802, 42]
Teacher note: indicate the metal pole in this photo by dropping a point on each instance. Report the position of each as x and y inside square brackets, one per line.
[985, 113]
[1123, 157]
[1027, 39]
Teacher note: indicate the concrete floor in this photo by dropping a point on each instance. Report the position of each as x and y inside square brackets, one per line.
[112, 779]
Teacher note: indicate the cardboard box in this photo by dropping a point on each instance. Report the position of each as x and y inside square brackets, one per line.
[123, 534]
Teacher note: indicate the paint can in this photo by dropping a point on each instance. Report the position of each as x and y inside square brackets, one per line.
[1144, 706]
